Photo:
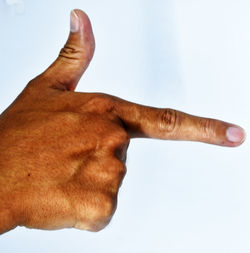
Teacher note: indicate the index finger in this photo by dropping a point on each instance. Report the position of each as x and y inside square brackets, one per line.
[170, 124]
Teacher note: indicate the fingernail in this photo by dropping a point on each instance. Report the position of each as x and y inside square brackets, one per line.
[235, 134]
[74, 22]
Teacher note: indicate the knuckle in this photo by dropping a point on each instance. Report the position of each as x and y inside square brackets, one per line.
[98, 212]
[121, 152]
[74, 52]
[118, 169]
[205, 125]
[100, 102]
[124, 137]
[97, 228]
[70, 53]
[107, 207]
[121, 169]
[117, 138]
[102, 210]
[114, 174]
[119, 172]
[168, 120]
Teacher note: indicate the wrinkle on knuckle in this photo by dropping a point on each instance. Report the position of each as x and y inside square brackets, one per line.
[205, 126]
[168, 120]
[70, 53]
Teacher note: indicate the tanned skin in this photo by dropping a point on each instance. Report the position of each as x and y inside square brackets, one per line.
[63, 153]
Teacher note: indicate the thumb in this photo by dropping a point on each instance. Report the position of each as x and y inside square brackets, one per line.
[76, 55]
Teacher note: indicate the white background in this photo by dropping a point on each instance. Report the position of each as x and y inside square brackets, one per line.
[191, 55]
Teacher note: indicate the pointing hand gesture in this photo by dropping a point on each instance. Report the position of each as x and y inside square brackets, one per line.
[62, 153]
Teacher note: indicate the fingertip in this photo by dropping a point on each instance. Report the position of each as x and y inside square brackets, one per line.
[84, 21]
[80, 13]
[235, 135]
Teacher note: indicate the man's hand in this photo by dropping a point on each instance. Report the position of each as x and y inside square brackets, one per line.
[62, 153]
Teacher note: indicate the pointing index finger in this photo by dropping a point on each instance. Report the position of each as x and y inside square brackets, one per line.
[170, 124]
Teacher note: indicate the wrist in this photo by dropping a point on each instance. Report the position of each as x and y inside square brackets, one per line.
[7, 216]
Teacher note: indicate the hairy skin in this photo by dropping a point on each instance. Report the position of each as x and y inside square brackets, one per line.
[63, 153]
